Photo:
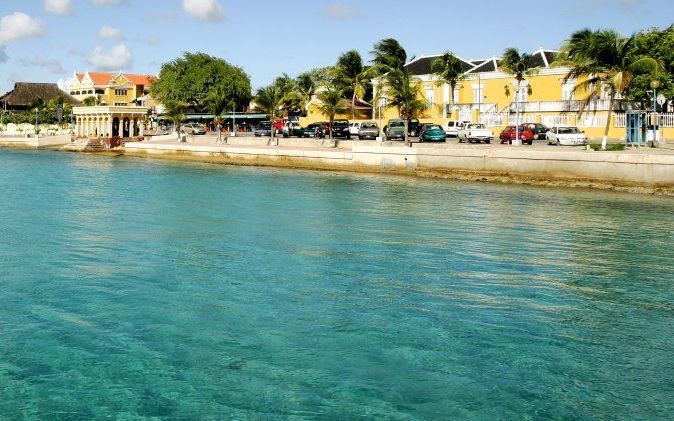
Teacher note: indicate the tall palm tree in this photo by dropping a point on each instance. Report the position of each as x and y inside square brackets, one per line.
[331, 100]
[304, 90]
[218, 102]
[604, 60]
[389, 55]
[351, 73]
[270, 99]
[403, 91]
[449, 69]
[175, 110]
[518, 65]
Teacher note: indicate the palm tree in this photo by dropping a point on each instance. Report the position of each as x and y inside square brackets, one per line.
[351, 73]
[217, 102]
[331, 100]
[175, 110]
[518, 65]
[301, 95]
[448, 69]
[389, 55]
[270, 99]
[91, 101]
[606, 62]
[403, 92]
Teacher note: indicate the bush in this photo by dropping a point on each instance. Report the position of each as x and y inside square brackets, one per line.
[609, 147]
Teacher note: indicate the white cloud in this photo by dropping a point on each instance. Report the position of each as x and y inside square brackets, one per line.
[118, 57]
[58, 7]
[341, 11]
[52, 65]
[108, 32]
[3, 54]
[19, 25]
[64, 83]
[206, 10]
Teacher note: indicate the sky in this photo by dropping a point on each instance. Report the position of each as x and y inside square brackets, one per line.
[46, 40]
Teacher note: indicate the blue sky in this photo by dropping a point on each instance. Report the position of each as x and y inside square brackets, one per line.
[45, 40]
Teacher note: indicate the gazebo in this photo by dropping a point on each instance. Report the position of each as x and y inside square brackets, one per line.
[110, 122]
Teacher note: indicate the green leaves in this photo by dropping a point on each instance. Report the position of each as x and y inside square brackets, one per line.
[194, 77]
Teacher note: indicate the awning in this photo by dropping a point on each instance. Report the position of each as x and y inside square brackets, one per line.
[209, 117]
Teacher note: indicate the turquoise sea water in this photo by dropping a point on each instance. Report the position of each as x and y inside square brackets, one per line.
[136, 288]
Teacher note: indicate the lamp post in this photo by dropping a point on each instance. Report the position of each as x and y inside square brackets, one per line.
[516, 140]
[655, 84]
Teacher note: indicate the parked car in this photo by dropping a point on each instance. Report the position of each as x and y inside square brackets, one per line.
[566, 135]
[292, 128]
[509, 133]
[193, 128]
[368, 130]
[452, 128]
[413, 127]
[539, 130]
[340, 128]
[354, 127]
[475, 132]
[316, 130]
[432, 133]
[263, 128]
[395, 129]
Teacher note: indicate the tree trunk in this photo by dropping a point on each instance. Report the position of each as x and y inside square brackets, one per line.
[332, 139]
[604, 139]
[353, 105]
[452, 87]
[407, 139]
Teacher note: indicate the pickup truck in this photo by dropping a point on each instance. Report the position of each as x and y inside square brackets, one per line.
[475, 132]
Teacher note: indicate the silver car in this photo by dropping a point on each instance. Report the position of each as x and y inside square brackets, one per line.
[368, 130]
[192, 128]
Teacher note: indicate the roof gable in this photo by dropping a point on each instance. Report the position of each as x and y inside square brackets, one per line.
[423, 65]
[25, 92]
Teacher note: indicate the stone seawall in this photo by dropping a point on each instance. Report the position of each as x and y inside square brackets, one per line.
[628, 171]
[35, 142]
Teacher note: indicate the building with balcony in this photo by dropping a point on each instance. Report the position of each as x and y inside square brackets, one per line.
[112, 89]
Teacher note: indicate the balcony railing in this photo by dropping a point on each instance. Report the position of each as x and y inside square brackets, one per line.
[564, 106]
[485, 107]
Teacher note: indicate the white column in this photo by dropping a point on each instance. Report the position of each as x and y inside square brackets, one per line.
[78, 127]
[109, 130]
[446, 101]
[131, 126]
[141, 131]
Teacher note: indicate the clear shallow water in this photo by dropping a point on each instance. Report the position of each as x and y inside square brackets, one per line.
[185, 291]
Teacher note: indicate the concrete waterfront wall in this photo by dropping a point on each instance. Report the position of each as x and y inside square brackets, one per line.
[615, 167]
[35, 142]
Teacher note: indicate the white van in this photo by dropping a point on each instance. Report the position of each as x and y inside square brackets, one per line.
[452, 128]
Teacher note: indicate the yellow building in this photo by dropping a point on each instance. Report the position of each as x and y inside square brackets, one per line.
[113, 89]
[487, 94]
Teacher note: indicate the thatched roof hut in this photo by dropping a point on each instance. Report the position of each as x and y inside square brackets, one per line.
[24, 93]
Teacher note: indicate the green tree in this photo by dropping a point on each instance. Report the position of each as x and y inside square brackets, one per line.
[175, 111]
[190, 79]
[603, 61]
[331, 100]
[389, 55]
[91, 101]
[218, 102]
[403, 91]
[304, 90]
[351, 74]
[658, 44]
[270, 99]
[449, 69]
[518, 65]
[37, 106]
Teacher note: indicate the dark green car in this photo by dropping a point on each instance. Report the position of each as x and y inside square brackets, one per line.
[432, 133]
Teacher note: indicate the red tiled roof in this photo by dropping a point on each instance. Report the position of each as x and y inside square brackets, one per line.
[103, 79]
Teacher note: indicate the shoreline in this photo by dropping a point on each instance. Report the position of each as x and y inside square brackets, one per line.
[318, 164]
[336, 159]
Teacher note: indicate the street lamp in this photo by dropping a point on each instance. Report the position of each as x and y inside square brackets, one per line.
[655, 84]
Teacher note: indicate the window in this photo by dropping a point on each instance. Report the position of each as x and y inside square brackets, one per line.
[120, 104]
[430, 98]
[478, 94]
[100, 91]
[120, 92]
[567, 91]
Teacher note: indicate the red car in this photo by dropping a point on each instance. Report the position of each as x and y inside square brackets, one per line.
[509, 133]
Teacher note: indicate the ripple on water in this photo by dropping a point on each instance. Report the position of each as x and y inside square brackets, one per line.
[135, 288]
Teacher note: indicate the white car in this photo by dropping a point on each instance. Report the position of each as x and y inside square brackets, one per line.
[566, 136]
[452, 128]
[354, 128]
[475, 132]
